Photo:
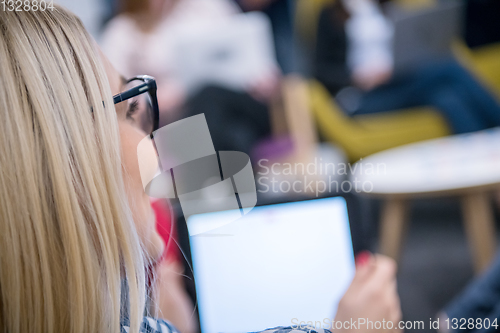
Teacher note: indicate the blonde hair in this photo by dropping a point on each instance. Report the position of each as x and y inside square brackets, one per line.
[67, 239]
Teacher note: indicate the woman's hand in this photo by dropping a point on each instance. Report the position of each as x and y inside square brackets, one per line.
[372, 295]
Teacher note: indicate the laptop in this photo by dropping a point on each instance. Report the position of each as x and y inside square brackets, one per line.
[234, 52]
[279, 265]
[426, 34]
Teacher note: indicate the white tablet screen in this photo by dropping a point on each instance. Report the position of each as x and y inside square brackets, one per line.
[276, 266]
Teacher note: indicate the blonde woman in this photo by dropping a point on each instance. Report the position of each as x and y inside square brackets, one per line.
[68, 244]
[76, 228]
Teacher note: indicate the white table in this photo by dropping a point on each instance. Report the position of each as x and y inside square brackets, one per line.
[467, 165]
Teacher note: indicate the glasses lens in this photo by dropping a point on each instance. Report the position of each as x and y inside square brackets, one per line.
[141, 109]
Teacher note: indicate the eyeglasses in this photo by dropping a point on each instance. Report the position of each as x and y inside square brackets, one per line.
[143, 103]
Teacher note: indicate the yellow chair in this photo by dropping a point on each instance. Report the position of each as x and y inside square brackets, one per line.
[483, 61]
[367, 134]
[363, 135]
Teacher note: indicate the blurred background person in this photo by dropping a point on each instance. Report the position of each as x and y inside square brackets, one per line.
[354, 60]
[281, 14]
[144, 37]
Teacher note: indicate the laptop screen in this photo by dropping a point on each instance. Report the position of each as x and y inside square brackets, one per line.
[276, 266]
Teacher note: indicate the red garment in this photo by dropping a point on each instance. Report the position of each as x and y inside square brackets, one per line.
[165, 225]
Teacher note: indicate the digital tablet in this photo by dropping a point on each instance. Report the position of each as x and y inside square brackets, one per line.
[276, 266]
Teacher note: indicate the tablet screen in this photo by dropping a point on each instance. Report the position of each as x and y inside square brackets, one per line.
[276, 266]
